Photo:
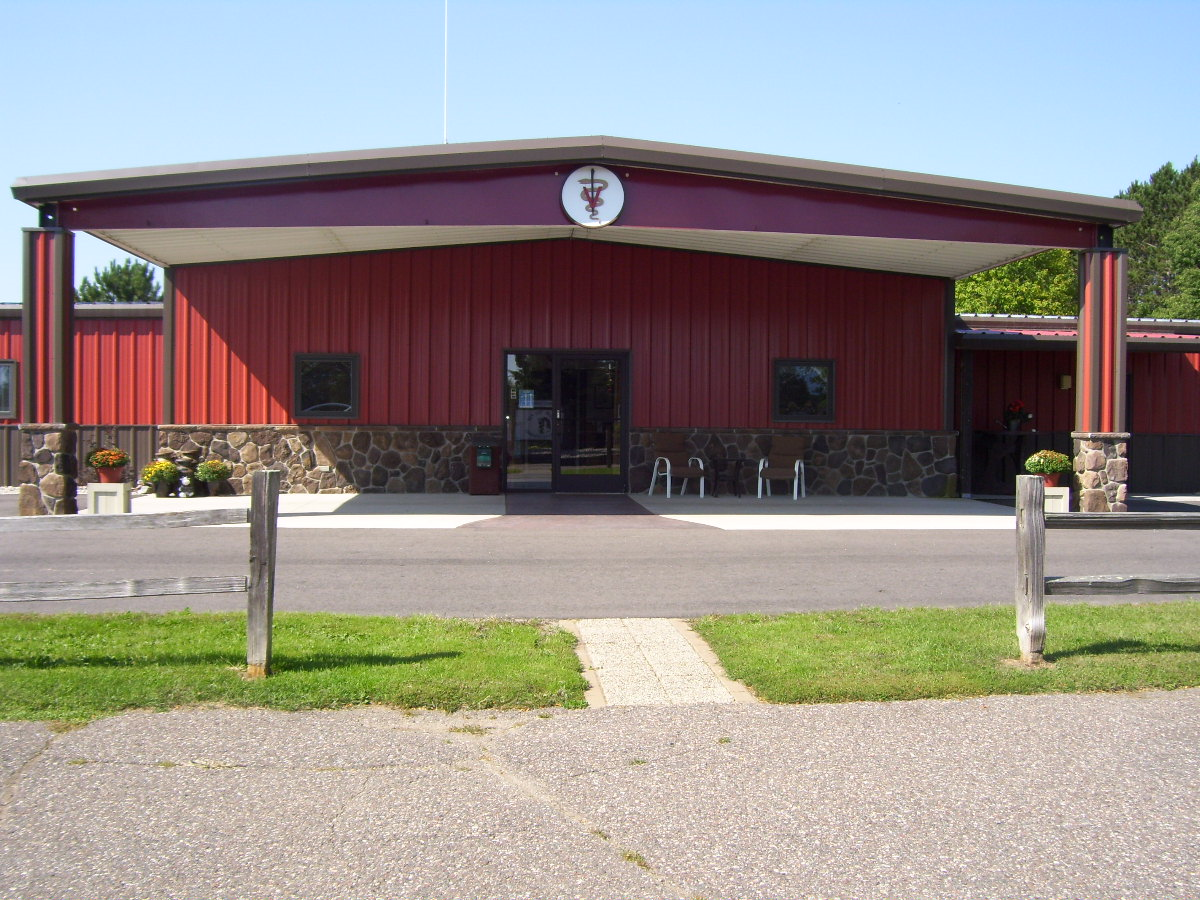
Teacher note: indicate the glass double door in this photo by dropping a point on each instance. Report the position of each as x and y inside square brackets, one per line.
[564, 419]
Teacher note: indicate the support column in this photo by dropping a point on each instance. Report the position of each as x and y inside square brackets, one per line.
[1100, 437]
[49, 470]
[50, 463]
[168, 347]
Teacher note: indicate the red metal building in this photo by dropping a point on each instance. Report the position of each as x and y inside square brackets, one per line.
[363, 320]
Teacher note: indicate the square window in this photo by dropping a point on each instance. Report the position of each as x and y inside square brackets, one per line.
[803, 390]
[327, 385]
[8, 388]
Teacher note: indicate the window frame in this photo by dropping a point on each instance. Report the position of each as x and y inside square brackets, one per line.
[13, 367]
[355, 362]
[782, 363]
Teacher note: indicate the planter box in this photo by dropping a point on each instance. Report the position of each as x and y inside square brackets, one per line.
[1058, 499]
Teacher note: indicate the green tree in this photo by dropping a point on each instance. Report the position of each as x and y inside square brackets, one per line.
[127, 282]
[1044, 285]
[1159, 243]
[1182, 250]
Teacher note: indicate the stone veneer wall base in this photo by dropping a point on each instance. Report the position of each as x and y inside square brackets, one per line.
[332, 459]
[1102, 470]
[49, 469]
[842, 463]
[435, 459]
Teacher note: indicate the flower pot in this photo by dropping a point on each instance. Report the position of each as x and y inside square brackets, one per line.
[1052, 478]
[163, 488]
[111, 474]
[200, 488]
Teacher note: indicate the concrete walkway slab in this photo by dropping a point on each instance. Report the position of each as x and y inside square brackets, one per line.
[651, 662]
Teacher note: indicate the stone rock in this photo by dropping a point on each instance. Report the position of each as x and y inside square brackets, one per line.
[54, 486]
[918, 443]
[29, 501]
[1093, 501]
[1118, 470]
[910, 469]
[934, 486]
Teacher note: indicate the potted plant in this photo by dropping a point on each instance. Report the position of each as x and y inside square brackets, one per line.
[1050, 464]
[109, 463]
[1016, 415]
[163, 474]
[211, 471]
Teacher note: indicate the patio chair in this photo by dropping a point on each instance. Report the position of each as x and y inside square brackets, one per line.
[784, 462]
[673, 460]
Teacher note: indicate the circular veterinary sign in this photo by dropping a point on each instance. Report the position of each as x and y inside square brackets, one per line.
[592, 196]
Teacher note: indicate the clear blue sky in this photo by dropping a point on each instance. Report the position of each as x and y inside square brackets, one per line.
[1075, 96]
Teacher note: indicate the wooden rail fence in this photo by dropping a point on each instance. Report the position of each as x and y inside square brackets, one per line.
[1033, 584]
[258, 585]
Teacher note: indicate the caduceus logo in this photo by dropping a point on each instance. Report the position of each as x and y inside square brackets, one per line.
[593, 187]
[592, 196]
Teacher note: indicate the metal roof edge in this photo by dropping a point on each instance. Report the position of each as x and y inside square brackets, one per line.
[435, 157]
[1000, 321]
[97, 310]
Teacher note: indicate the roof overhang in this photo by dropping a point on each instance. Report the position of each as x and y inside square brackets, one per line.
[186, 246]
[92, 195]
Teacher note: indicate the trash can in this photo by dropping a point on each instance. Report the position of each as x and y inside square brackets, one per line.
[484, 476]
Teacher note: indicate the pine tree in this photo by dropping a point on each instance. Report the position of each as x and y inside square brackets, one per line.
[127, 282]
[1159, 244]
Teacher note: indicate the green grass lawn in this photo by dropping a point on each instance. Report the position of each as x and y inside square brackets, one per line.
[906, 654]
[78, 667]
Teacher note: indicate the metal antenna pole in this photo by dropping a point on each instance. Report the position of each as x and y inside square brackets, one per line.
[446, 75]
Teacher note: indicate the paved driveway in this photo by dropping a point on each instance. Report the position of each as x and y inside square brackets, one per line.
[389, 555]
[998, 798]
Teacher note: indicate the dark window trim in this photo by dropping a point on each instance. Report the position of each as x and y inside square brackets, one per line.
[10, 411]
[355, 381]
[778, 364]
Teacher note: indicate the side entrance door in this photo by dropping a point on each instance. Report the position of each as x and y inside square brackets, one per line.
[564, 419]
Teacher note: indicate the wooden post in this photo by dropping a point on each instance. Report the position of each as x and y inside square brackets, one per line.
[1031, 567]
[260, 587]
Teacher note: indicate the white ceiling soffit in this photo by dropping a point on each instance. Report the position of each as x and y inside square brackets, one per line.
[183, 246]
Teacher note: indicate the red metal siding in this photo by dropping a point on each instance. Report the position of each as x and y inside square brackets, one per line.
[11, 348]
[1164, 393]
[118, 365]
[431, 326]
[1005, 376]
[529, 195]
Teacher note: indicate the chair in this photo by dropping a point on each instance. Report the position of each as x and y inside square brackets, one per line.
[784, 462]
[673, 460]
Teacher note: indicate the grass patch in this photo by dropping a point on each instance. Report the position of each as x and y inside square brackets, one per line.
[75, 667]
[908, 654]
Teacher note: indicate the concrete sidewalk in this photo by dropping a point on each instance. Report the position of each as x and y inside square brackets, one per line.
[1006, 797]
[447, 511]
[726, 513]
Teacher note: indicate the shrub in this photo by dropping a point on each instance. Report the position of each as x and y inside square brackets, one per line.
[106, 458]
[213, 470]
[161, 470]
[1047, 462]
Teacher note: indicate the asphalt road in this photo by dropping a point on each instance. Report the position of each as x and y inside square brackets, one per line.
[995, 798]
[585, 567]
